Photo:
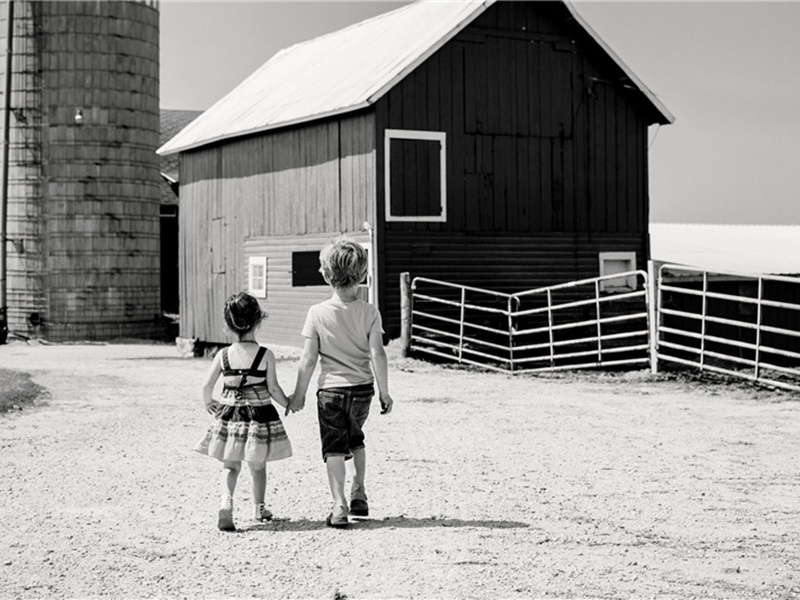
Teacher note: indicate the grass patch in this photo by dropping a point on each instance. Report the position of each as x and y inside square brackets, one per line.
[17, 391]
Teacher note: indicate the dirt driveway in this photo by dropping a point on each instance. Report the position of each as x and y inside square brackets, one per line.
[481, 485]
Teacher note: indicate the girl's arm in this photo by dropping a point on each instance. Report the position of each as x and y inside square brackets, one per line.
[275, 389]
[210, 381]
[380, 367]
[308, 362]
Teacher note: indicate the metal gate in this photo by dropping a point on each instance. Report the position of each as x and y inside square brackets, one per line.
[569, 326]
[740, 325]
[745, 326]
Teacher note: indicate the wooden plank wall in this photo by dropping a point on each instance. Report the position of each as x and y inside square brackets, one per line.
[499, 262]
[287, 306]
[309, 180]
[546, 162]
[539, 138]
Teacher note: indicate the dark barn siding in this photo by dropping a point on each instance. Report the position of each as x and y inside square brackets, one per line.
[546, 156]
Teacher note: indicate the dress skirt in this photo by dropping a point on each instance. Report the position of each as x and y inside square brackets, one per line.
[245, 429]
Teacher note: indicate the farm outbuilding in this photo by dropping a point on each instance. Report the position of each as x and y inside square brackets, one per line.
[501, 145]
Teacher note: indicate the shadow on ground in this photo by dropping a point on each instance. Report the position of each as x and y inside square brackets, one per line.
[399, 522]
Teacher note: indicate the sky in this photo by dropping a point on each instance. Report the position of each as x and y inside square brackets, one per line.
[728, 71]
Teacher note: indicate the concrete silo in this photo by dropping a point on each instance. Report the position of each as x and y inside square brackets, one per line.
[82, 189]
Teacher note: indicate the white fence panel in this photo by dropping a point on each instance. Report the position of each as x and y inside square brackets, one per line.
[741, 325]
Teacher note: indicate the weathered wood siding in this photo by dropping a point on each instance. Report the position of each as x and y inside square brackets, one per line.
[546, 156]
[316, 179]
[286, 305]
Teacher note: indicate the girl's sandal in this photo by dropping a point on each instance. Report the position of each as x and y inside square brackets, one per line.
[225, 521]
[262, 513]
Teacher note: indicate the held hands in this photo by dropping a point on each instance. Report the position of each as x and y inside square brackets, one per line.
[296, 403]
[386, 403]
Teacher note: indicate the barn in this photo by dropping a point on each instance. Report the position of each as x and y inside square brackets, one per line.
[501, 145]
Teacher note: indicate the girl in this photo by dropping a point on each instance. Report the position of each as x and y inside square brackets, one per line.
[247, 426]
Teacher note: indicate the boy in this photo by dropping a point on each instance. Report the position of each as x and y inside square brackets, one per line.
[346, 334]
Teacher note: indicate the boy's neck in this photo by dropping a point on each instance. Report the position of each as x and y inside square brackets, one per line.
[348, 294]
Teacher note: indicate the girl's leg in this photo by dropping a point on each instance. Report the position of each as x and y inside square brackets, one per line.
[230, 475]
[259, 475]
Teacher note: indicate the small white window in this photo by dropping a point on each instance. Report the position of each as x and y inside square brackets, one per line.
[257, 276]
[415, 174]
[612, 263]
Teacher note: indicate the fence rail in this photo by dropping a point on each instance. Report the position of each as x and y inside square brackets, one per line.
[548, 328]
[741, 325]
[737, 324]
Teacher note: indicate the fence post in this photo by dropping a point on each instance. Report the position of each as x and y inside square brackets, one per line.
[405, 314]
[651, 297]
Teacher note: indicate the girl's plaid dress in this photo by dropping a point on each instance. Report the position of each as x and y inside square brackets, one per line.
[247, 426]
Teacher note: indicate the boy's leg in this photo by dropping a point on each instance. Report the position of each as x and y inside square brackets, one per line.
[360, 466]
[359, 410]
[334, 465]
[333, 429]
[358, 493]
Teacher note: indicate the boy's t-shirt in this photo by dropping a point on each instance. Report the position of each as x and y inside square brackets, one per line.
[343, 329]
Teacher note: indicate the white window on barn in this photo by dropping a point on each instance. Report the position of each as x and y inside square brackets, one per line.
[415, 175]
[612, 263]
[257, 276]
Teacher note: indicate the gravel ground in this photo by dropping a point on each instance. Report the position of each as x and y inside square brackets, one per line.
[481, 485]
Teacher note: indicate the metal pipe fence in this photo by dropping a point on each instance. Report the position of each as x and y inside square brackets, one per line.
[549, 328]
[742, 325]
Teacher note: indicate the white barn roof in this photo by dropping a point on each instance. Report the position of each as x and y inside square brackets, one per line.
[747, 249]
[344, 71]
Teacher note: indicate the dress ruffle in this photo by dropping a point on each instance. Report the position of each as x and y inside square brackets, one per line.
[244, 432]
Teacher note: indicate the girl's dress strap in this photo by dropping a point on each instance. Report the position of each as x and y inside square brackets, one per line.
[226, 366]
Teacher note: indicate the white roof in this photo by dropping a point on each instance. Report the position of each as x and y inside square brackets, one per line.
[746, 249]
[344, 71]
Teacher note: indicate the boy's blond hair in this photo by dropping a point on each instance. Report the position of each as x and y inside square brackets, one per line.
[343, 263]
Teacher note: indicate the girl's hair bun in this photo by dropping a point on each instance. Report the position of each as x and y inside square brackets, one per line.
[242, 313]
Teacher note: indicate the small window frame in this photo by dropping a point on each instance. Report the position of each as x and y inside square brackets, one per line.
[257, 284]
[412, 134]
[619, 285]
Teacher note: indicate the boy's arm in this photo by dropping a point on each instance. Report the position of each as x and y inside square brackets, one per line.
[308, 362]
[214, 371]
[380, 367]
[275, 389]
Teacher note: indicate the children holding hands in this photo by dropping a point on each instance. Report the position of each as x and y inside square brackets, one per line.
[343, 333]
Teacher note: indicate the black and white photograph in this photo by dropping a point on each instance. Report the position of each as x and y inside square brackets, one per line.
[421, 299]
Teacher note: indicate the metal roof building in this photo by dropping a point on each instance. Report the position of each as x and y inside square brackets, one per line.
[755, 249]
[491, 144]
[347, 70]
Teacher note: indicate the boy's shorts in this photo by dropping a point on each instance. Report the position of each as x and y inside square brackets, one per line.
[342, 413]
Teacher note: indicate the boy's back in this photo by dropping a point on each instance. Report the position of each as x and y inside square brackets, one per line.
[343, 330]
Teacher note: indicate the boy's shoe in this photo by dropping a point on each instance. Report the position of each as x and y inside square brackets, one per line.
[262, 513]
[338, 518]
[358, 501]
[225, 521]
[359, 507]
